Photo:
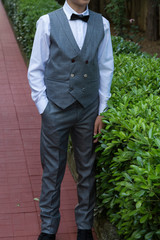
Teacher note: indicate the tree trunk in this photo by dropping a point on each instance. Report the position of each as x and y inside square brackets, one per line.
[61, 1]
[152, 21]
[95, 5]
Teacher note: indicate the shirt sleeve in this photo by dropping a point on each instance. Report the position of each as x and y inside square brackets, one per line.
[39, 57]
[106, 66]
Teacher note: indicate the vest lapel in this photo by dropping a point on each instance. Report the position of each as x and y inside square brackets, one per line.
[90, 27]
[63, 21]
[67, 30]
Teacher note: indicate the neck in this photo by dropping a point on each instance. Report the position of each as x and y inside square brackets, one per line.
[78, 8]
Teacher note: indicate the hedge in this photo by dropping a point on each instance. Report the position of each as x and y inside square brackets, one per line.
[128, 153]
[24, 14]
[128, 156]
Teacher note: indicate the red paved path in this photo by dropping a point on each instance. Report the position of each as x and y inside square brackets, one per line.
[20, 170]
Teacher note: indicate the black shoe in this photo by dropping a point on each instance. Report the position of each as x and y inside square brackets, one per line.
[84, 234]
[45, 236]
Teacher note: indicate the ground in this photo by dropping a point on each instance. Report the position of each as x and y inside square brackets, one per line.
[151, 47]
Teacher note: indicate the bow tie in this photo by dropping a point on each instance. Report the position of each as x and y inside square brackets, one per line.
[80, 17]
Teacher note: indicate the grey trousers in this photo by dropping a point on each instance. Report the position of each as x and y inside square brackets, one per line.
[57, 124]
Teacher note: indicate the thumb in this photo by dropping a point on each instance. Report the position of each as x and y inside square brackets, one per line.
[95, 128]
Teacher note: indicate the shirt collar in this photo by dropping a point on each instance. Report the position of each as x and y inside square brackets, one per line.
[68, 10]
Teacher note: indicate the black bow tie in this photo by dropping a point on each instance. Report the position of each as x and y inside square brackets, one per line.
[80, 17]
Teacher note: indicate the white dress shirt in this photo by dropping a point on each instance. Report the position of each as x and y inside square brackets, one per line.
[40, 55]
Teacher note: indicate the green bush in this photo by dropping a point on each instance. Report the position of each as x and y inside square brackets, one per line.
[24, 14]
[128, 156]
[122, 46]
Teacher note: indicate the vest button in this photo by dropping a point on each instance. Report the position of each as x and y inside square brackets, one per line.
[85, 75]
[72, 75]
[86, 61]
[73, 60]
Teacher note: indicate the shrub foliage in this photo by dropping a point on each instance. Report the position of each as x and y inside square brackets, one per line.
[24, 14]
[128, 156]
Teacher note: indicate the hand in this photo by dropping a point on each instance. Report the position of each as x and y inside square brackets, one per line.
[98, 125]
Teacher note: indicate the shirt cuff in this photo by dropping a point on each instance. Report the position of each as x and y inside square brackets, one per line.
[41, 104]
[102, 108]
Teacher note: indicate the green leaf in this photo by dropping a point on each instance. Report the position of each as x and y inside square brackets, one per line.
[158, 232]
[157, 141]
[143, 126]
[140, 161]
[127, 177]
[106, 200]
[136, 235]
[151, 194]
[36, 199]
[144, 218]
[139, 193]
[144, 186]
[149, 235]
[158, 169]
[150, 133]
[133, 213]
[137, 169]
[138, 204]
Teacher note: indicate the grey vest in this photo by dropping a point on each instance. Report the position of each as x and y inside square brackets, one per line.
[72, 74]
